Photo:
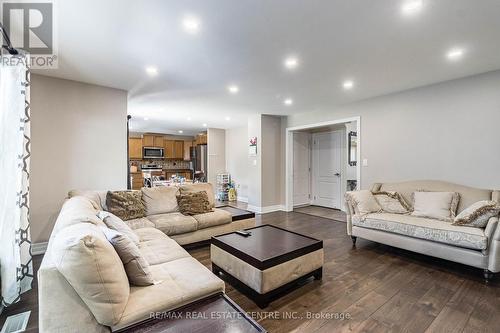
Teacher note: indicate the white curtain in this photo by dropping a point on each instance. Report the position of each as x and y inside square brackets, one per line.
[16, 267]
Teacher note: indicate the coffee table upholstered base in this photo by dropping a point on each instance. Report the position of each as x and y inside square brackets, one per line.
[266, 266]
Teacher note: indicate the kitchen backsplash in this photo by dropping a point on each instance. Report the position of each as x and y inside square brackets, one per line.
[167, 165]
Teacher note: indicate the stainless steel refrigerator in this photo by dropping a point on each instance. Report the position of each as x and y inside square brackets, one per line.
[199, 159]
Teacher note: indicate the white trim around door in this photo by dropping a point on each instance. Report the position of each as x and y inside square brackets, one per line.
[289, 154]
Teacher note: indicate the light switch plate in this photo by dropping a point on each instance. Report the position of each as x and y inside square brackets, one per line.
[365, 162]
[254, 162]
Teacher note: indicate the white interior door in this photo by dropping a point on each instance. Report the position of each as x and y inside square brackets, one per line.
[301, 169]
[327, 168]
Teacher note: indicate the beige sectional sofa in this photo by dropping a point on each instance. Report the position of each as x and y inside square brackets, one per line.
[94, 295]
[478, 247]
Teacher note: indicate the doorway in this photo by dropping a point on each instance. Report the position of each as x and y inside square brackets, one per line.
[327, 169]
[321, 164]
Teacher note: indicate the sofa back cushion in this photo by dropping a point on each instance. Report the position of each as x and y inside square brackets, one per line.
[76, 210]
[468, 195]
[160, 200]
[98, 197]
[92, 267]
[114, 222]
[198, 187]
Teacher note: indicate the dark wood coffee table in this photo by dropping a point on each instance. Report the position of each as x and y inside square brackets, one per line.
[268, 263]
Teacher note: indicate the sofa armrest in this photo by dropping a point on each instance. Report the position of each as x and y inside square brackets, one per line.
[492, 231]
[350, 214]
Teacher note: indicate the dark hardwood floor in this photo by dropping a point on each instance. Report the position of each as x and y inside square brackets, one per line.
[380, 288]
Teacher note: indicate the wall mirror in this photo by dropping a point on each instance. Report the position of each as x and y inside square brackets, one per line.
[353, 148]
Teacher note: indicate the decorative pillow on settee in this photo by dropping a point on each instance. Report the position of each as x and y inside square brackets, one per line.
[194, 203]
[435, 205]
[478, 214]
[392, 202]
[363, 202]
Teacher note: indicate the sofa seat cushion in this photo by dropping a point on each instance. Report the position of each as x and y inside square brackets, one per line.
[148, 234]
[141, 222]
[160, 251]
[211, 219]
[183, 281]
[423, 228]
[173, 223]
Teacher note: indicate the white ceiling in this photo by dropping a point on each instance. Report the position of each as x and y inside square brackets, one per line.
[244, 42]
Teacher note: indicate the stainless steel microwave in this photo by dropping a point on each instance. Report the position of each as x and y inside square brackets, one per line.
[152, 152]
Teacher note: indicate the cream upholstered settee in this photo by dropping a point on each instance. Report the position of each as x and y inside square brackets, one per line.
[476, 247]
[76, 294]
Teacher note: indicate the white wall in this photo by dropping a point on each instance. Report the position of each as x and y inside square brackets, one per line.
[79, 141]
[237, 159]
[448, 131]
[216, 146]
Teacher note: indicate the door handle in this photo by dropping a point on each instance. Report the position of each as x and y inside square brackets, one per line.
[337, 174]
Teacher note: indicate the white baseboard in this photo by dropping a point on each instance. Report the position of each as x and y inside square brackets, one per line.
[266, 209]
[39, 248]
[242, 199]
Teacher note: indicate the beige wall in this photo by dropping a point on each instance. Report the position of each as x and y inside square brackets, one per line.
[448, 131]
[78, 134]
[271, 160]
[237, 159]
[216, 146]
[254, 162]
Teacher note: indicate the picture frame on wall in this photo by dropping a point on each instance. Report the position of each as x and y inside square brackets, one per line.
[252, 148]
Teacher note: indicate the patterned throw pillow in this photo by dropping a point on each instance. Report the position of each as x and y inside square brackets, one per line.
[127, 205]
[194, 203]
[478, 214]
[363, 202]
[392, 202]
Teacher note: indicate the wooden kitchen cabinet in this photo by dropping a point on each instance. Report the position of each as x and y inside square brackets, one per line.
[179, 150]
[187, 150]
[135, 148]
[201, 139]
[137, 180]
[169, 148]
[174, 149]
[151, 140]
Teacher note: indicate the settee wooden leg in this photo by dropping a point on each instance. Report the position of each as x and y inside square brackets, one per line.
[488, 275]
[354, 238]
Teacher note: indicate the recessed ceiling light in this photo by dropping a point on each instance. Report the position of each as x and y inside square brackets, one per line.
[233, 89]
[204, 125]
[191, 24]
[411, 7]
[146, 118]
[455, 53]
[291, 62]
[348, 84]
[188, 118]
[227, 118]
[180, 131]
[288, 101]
[152, 71]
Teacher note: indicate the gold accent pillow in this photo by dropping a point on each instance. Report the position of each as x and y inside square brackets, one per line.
[194, 203]
[478, 214]
[392, 202]
[127, 205]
